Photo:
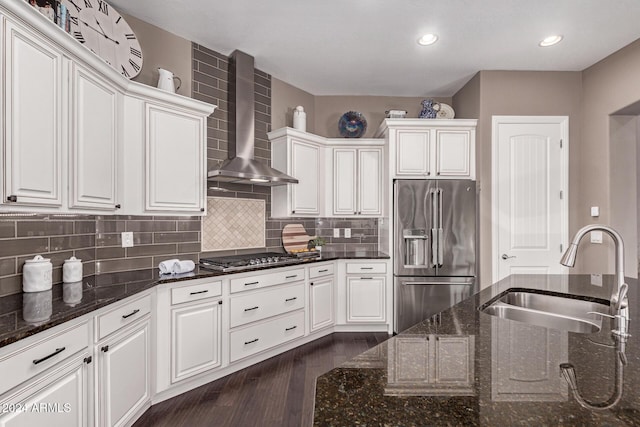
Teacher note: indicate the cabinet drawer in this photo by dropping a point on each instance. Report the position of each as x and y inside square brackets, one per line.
[260, 305]
[264, 335]
[262, 280]
[366, 267]
[320, 270]
[122, 315]
[26, 362]
[195, 292]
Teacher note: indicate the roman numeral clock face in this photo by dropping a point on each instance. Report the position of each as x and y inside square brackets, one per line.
[100, 28]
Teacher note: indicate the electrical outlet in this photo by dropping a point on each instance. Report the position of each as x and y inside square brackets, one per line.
[336, 232]
[347, 233]
[596, 237]
[127, 239]
[596, 279]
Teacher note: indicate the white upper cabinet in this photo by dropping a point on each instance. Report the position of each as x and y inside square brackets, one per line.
[93, 141]
[431, 148]
[71, 140]
[300, 155]
[175, 160]
[33, 119]
[357, 181]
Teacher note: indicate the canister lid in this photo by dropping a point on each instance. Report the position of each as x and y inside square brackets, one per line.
[38, 259]
[72, 260]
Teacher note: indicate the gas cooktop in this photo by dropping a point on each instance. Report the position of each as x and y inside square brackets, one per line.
[249, 261]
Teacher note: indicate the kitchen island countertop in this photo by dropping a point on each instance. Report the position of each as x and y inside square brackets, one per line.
[465, 367]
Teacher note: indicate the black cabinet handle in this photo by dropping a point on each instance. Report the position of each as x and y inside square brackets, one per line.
[88, 360]
[58, 351]
[251, 342]
[104, 349]
[251, 283]
[220, 302]
[291, 328]
[118, 206]
[199, 292]
[293, 211]
[252, 308]
[323, 271]
[290, 299]
[201, 209]
[12, 198]
[291, 277]
[366, 278]
[136, 311]
[311, 283]
[366, 268]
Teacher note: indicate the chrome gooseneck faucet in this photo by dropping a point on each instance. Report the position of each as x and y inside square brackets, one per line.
[619, 302]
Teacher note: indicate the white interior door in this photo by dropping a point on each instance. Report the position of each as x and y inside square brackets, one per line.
[530, 193]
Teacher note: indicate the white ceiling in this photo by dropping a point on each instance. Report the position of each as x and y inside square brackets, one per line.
[368, 47]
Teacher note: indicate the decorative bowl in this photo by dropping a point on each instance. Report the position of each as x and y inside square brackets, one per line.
[352, 124]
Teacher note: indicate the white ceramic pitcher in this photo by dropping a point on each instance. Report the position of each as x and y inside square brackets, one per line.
[166, 80]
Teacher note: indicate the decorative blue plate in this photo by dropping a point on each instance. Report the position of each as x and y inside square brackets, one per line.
[352, 125]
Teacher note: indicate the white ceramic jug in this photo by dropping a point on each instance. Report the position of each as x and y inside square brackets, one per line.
[166, 81]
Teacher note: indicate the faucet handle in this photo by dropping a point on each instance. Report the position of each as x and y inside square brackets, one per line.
[620, 299]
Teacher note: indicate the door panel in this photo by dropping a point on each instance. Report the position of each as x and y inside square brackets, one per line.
[458, 241]
[530, 212]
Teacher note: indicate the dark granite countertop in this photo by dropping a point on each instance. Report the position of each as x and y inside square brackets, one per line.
[511, 377]
[26, 314]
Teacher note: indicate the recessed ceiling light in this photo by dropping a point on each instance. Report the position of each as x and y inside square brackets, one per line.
[550, 41]
[427, 39]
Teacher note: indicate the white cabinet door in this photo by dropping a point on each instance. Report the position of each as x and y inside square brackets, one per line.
[195, 339]
[174, 167]
[344, 181]
[453, 149]
[413, 153]
[366, 299]
[33, 120]
[370, 181]
[322, 306]
[124, 375]
[305, 166]
[93, 141]
[60, 398]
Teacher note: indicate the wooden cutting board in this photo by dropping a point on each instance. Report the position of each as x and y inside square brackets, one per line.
[295, 237]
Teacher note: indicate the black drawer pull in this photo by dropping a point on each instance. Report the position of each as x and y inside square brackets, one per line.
[366, 278]
[199, 292]
[12, 198]
[251, 342]
[251, 283]
[291, 277]
[291, 328]
[252, 308]
[366, 268]
[136, 311]
[323, 271]
[58, 351]
[88, 360]
[291, 299]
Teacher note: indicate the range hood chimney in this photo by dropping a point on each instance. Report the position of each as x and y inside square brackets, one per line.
[241, 167]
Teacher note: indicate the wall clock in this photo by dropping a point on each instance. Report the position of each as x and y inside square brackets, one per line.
[100, 28]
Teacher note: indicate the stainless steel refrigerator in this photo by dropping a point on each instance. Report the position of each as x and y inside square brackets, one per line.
[434, 247]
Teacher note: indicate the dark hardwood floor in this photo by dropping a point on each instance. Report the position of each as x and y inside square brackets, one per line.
[278, 392]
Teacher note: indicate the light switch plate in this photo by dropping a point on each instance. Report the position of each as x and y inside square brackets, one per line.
[347, 233]
[127, 239]
[336, 232]
[595, 211]
[596, 237]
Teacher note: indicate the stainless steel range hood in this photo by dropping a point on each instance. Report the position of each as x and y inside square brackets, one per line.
[241, 167]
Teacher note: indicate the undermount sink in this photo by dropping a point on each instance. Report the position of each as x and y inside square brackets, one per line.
[551, 310]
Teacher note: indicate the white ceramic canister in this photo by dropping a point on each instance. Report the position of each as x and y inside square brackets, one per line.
[36, 274]
[72, 270]
[299, 119]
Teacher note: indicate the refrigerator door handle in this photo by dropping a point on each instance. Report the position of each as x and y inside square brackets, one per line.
[468, 282]
[440, 230]
[434, 229]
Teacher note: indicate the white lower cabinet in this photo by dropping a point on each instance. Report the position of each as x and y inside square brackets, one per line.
[263, 335]
[195, 339]
[124, 375]
[59, 398]
[366, 299]
[321, 303]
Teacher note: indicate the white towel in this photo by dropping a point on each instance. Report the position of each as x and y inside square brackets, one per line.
[183, 266]
[166, 267]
